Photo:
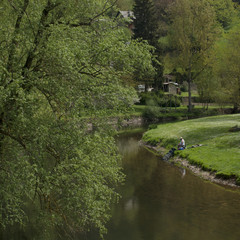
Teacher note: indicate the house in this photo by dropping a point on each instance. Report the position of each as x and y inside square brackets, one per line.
[170, 86]
[128, 17]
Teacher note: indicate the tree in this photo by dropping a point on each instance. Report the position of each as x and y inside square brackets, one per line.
[145, 23]
[61, 70]
[226, 70]
[225, 12]
[206, 86]
[192, 33]
[162, 15]
[146, 28]
[125, 5]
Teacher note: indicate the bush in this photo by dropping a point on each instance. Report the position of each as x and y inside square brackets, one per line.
[143, 98]
[184, 87]
[152, 112]
[152, 126]
[158, 99]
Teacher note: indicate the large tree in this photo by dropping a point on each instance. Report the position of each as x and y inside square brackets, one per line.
[145, 22]
[225, 12]
[61, 69]
[146, 28]
[192, 33]
[226, 68]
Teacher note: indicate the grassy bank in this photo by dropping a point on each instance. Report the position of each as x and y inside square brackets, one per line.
[221, 148]
[157, 114]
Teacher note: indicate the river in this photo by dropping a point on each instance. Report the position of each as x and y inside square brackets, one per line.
[163, 202]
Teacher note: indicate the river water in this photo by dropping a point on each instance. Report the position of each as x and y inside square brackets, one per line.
[163, 202]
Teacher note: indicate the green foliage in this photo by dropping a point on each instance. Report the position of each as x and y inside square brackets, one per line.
[225, 12]
[225, 67]
[146, 29]
[62, 61]
[152, 126]
[125, 5]
[159, 99]
[192, 33]
[145, 22]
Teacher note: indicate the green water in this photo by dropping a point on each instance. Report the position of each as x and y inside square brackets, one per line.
[162, 202]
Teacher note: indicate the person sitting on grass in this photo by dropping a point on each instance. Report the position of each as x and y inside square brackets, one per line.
[181, 145]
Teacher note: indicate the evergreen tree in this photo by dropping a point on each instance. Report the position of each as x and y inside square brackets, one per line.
[145, 23]
[146, 28]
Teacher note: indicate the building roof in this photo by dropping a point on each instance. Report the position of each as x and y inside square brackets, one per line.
[173, 83]
[127, 14]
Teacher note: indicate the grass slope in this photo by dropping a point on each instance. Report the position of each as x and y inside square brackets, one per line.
[221, 150]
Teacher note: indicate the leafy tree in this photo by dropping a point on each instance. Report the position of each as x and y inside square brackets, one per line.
[206, 86]
[225, 12]
[192, 33]
[125, 5]
[225, 63]
[163, 15]
[61, 70]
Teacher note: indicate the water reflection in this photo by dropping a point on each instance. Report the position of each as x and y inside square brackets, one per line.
[163, 202]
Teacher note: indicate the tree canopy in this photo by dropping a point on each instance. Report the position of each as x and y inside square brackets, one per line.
[145, 22]
[62, 66]
[225, 66]
[192, 33]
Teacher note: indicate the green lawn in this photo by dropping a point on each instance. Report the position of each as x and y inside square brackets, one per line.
[193, 94]
[221, 150]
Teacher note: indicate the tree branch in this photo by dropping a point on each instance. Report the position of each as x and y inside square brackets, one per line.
[91, 20]
[19, 140]
[42, 25]
[14, 38]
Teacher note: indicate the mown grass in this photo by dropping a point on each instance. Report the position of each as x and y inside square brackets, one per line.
[220, 151]
[185, 94]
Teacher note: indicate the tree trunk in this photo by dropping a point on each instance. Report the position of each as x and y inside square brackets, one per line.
[189, 90]
[237, 100]
[42, 26]
[146, 87]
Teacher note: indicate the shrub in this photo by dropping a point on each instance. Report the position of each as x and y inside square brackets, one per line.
[144, 97]
[158, 99]
[152, 112]
[152, 126]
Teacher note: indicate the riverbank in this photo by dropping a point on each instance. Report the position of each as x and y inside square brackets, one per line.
[218, 157]
[160, 114]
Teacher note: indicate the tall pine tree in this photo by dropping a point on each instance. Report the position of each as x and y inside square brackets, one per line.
[145, 23]
[146, 28]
